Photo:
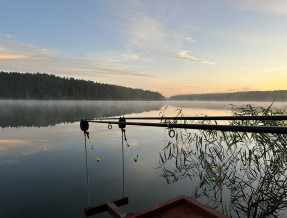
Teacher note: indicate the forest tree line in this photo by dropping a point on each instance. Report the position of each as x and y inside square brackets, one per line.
[278, 95]
[41, 86]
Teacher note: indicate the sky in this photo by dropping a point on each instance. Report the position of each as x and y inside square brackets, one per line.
[170, 46]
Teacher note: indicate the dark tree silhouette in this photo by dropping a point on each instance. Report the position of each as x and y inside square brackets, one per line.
[277, 95]
[43, 87]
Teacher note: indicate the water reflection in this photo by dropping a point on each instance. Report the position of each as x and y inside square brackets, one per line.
[17, 143]
[240, 174]
[43, 169]
[33, 113]
[48, 113]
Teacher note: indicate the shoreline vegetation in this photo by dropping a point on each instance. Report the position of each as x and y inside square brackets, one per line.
[259, 96]
[41, 86]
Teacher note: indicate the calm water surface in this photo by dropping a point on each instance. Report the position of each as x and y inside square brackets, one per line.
[42, 156]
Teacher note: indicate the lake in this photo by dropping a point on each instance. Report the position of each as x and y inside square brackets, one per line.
[43, 160]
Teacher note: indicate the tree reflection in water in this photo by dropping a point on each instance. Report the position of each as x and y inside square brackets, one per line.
[240, 174]
[37, 113]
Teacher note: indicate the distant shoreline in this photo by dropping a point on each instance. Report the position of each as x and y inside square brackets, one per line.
[167, 100]
[258, 96]
[228, 100]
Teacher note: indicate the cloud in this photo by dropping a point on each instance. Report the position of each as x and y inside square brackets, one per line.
[250, 38]
[12, 149]
[102, 72]
[128, 57]
[181, 37]
[15, 56]
[141, 26]
[24, 47]
[183, 55]
[7, 36]
[189, 39]
[5, 54]
[146, 33]
[8, 143]
[117, 57]
[266, 6]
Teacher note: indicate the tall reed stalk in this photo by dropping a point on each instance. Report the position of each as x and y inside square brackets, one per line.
[240, 174]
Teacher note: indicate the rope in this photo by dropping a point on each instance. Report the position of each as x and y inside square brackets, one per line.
[90, 143]
[128, 144]
[87, 170]
[123, 162]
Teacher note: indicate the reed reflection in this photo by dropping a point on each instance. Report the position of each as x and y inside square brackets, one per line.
[240, 174]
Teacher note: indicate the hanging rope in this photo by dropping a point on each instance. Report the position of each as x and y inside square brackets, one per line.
[84, 125]
[87, 170]
[135, 157]
[92, 147]
[122, 126]
[123, 162]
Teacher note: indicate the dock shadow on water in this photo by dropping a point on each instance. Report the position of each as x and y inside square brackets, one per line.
[239, 174]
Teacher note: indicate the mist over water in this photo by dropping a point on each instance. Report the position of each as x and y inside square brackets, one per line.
[33, 113]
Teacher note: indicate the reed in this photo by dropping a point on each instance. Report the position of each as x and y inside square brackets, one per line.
[242, 174]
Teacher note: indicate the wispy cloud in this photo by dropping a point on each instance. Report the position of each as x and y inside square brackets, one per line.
[250, 38]
[15, 56]
[7, 36]
[7, 143]
[189, 39]
[5, 55]
[183, 55]
[116, 56]
[12, 149]
[106, 73]
[142, 27]
[146, 33]
[266, 6]
[181, 37]
[15, 46]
